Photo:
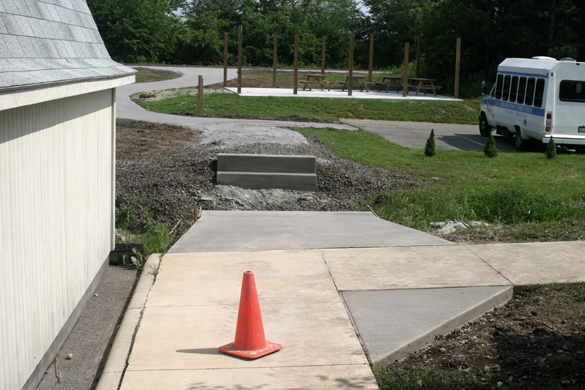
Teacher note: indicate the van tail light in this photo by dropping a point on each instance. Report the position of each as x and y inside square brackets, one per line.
[548, 121]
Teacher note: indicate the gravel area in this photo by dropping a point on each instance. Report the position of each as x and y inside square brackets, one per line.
[176, 181]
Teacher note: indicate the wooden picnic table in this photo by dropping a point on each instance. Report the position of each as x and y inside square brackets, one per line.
[424, 84]
[390, 82]
[358, 81]
[319, 78]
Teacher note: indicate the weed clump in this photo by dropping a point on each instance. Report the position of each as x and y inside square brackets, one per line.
[431, 145]
[490, 149]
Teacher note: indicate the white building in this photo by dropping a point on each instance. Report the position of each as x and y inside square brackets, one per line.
[57, 176]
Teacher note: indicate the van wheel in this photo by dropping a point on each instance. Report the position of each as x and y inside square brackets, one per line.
[521, 144]
[484, 128]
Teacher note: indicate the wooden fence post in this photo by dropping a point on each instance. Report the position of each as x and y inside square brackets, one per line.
[200, 95]
[296, 66]
[350, 78]
[371, 66]
[323, 44]
[418, 49]
[405, 75]
[225, 58]
[457, 67]
[240, 35]
[274, 61]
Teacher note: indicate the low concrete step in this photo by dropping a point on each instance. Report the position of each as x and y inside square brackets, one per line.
[265, 163]
[256, 171]
[258, 181]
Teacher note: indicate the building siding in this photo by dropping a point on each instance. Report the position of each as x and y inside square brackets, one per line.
[56, 220]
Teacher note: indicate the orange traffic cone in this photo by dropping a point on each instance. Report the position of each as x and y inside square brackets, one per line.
[250, 341]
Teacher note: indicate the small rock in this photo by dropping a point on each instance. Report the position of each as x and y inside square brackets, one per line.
[69, 356]
[443, 350]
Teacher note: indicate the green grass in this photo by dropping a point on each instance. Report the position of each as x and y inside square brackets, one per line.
[514, 188]
[232, 105]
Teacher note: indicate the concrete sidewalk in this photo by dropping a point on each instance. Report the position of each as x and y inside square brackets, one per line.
[335, 303]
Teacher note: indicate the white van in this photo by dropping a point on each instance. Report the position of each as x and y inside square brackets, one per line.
[537, 98]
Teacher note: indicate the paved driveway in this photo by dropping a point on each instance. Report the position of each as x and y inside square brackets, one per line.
[447, 136]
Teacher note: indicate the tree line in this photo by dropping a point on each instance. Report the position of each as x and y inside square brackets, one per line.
[192, 32]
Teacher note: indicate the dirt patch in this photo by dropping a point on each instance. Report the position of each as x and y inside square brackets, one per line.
[173, 182]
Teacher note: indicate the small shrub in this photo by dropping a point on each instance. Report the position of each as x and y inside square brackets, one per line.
[490, 149]
[551, 149]
[431, 145]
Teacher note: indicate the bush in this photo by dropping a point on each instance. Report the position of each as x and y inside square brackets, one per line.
[490, 149]
[430, 146]
[551, 149]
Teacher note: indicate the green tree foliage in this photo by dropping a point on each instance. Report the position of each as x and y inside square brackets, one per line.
[140, 31]
[192, 32]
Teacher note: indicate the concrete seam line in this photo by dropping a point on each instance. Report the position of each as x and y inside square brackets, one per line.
[488, 264]
[117, 360]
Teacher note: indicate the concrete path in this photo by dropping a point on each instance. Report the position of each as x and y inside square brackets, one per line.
[414, 135]
[339, 291]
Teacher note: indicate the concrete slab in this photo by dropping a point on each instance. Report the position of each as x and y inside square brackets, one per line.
[272, 378]
[409, 267]
[338, 94]
[181, 330]
[225, 231]
[392, 324]
[536, 263]
[281, 277]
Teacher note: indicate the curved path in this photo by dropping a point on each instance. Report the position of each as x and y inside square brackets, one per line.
[228, 131]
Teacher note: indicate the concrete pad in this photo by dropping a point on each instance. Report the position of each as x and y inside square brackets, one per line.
[225, 231]
[338, 94]
[216, 278]
[536, 263]
[411, 267]
[274, 378]
[192, 309]
[392, 324]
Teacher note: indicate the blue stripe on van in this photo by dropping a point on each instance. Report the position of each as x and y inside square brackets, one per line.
[542, 76]
[516, 107]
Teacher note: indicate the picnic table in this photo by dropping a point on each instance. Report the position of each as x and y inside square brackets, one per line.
[358, 81]
[424, 84]
[414, 84]
[319, 79]
[390, 82]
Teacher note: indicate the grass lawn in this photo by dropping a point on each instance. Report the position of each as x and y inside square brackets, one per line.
[322, 109]
[514, 188]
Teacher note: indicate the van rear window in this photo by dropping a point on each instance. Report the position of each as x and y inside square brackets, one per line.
[572, 91]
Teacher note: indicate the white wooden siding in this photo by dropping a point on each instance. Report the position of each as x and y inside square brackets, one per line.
[56, 225]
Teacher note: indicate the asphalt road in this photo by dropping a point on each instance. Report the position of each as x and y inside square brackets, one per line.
[447, 136]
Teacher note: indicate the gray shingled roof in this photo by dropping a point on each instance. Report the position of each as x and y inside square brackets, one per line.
[51, 41]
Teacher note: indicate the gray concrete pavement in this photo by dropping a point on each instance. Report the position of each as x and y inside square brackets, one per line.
[337, 290]
[229, 231]
[414, 135]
